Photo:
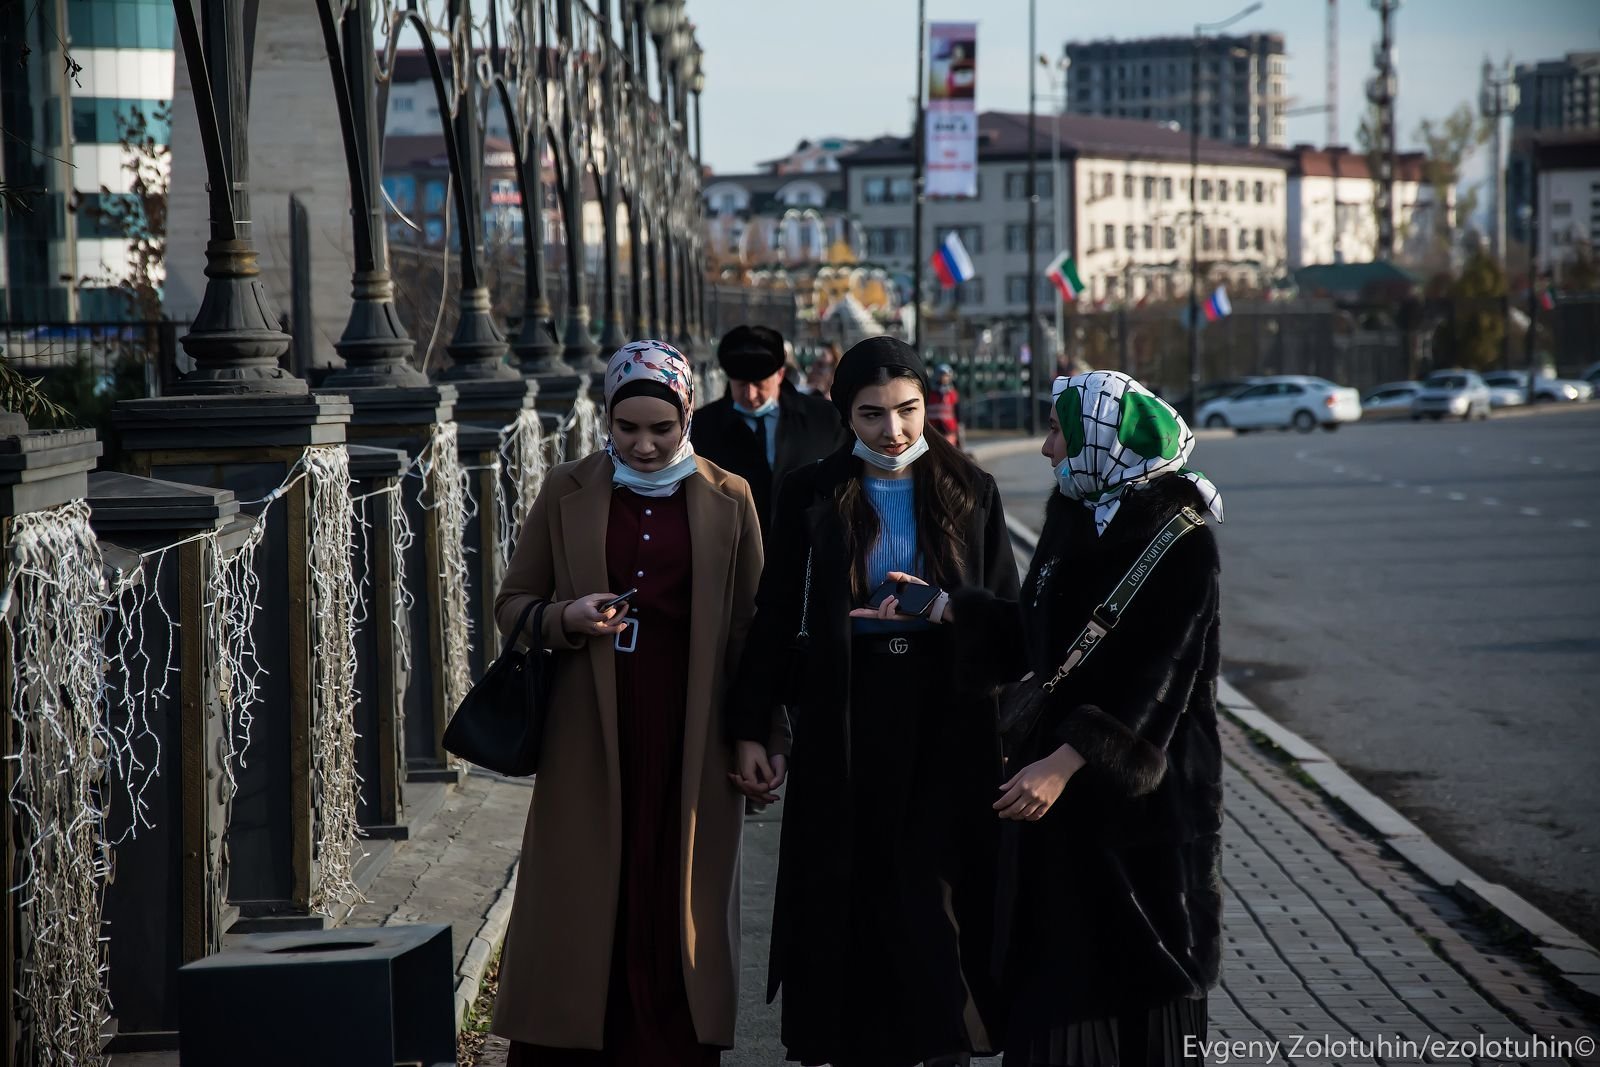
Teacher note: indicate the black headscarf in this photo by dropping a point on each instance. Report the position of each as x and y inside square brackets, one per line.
[860, 366]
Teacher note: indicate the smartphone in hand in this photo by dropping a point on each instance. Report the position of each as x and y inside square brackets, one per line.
[915, 600]
[618, 601]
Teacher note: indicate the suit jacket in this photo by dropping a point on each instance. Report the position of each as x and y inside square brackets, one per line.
[555, 972]
[808, 430]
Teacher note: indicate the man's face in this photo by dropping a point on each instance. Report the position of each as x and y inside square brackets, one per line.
[751, 395]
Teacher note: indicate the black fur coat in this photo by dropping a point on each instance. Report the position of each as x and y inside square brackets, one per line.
[1112, 900]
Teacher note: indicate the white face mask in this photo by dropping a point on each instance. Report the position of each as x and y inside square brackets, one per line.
[765, 409]
[892, 463]
[663, 482]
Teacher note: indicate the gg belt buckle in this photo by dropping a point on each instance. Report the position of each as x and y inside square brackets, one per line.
[899, 645]
[628, 633]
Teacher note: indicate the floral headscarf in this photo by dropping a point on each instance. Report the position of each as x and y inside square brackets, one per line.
[660, 363]
[1119, 436]
[653, 361]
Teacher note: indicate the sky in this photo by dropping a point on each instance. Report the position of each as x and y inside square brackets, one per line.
[778, 72]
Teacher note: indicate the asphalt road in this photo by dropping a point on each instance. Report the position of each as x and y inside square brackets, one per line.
[1422, 601]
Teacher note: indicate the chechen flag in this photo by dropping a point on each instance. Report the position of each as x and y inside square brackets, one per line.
[951, 262]
[1218, 307]
[1063, 274]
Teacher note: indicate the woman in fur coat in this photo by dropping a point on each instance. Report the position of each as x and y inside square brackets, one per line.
[1109, 886]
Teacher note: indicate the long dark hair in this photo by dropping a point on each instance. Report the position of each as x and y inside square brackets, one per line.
[946, 486]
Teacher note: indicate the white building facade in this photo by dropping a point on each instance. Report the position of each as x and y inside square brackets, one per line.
[1330, 210]
[1568, 192]
[1123, 210]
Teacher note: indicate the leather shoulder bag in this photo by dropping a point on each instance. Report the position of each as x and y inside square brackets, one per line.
[500, 724]
[1022, 702]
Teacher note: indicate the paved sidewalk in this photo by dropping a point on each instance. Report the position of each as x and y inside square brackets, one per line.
[1336, 953]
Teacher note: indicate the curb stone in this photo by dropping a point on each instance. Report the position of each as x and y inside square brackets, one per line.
[481, 949]
[1575, 961]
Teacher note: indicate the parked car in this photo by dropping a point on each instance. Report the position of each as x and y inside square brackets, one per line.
[1210, 391]
[1458, 393]
[1006, 410]
[1545, 390]
[1389, 401]
[1300, 401]
[1505, 396]
[1591, 374]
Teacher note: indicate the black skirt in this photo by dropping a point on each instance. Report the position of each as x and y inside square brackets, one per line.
[914, 983]
[1167, 1035]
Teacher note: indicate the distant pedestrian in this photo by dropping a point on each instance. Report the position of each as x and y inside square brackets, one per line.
[819, 377]
[944, 405]
[1110, 881]
[623, 947]
[885, 883]
[763, 429]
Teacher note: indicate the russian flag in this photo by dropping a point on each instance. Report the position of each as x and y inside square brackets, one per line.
[1218, 307]
[951, 262]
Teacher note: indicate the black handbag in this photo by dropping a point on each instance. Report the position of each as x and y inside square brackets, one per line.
[500, 724]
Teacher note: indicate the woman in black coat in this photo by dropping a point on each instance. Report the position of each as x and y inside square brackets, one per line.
[884, 904]
[1110, 898]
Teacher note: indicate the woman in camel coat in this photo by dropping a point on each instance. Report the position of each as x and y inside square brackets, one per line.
[623, 946]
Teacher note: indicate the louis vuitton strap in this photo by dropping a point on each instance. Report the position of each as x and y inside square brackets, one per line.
[1105, 617]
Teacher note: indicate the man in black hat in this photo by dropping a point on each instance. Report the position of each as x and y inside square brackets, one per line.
[763, 428]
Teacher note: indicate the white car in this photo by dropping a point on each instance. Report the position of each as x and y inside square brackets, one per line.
[1296, 400]
[1505, 396]
[1389, 401]
[1544, 389]
[1456, 393]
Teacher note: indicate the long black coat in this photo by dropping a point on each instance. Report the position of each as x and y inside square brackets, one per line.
[1112, 901]
[808, 430]
[821, 828]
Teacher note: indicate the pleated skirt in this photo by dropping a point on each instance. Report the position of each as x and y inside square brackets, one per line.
[1167, 1035]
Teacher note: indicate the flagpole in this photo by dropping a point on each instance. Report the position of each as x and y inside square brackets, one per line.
[918, 148]
[1034, 355]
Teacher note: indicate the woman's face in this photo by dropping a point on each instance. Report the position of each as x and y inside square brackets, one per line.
[888, 418]
[1055, 445]
[646, 431]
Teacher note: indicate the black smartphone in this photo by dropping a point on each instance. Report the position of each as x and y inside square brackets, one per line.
[914, 599]
[618, 601]
[917, 599]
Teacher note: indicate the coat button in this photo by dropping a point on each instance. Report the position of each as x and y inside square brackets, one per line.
[647, 537]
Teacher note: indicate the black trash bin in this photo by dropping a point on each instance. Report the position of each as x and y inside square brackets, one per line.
[349, 997]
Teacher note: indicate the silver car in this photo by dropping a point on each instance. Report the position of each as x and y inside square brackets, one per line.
[1457, 393]
[1390, 401]
[1544, 389]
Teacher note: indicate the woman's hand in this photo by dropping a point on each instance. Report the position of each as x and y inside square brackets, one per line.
[1033, 790]
[758, 777]
[888, 610]
[583, 617]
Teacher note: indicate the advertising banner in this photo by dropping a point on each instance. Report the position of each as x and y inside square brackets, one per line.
[952, 117]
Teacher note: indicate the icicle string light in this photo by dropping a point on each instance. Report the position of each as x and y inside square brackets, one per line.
[336, 787]
[55, 582]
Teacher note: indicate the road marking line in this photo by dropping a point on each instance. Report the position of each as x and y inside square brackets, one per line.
[1425, 490]
[1535, 460]
[1398, 485]
[1580, 524]
[1458, 496]
[1532, 513]
[1490, 502]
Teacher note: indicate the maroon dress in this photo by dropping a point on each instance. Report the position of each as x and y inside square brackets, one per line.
[647, 1008]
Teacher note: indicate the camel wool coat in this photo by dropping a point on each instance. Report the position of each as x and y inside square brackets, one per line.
[555, 968]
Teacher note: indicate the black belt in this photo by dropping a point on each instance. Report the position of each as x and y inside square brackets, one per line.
[902, 644]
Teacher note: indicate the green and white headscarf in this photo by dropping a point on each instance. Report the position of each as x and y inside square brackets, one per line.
[1120, 436]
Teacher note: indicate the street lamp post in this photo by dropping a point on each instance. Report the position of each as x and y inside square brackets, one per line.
[1058, 90]
[1200, 29]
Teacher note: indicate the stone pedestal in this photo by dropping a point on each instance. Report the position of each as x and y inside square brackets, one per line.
[167, 905]
[380, 641]
[45, 468]
[495, 403]
[404, 418]
[249, 444]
